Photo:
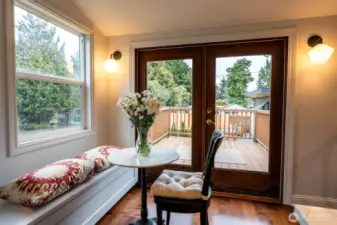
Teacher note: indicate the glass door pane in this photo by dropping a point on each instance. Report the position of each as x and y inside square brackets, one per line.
[174, 75]
[171, 82]
[243, 99]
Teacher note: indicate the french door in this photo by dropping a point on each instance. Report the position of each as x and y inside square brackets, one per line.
[254, 72]
[174, 75]
[237, 87]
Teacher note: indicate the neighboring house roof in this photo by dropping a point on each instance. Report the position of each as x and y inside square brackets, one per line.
[260, 106]
[259, 93]
[234, 106]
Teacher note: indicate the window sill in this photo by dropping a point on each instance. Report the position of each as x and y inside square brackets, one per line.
[25, 147]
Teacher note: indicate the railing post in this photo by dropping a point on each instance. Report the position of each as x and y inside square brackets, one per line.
[253, 124]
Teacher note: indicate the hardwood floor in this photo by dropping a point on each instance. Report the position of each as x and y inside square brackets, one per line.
[223, 211]
[255, 156]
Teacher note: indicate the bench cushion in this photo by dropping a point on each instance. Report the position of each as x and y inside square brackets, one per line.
[85, 204]
[41, 186]
[99, 156]
[178, 184]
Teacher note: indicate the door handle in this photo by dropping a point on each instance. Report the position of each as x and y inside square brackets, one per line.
[210, 122]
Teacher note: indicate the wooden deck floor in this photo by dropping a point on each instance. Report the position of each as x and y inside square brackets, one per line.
[254, 155]
[222, 211]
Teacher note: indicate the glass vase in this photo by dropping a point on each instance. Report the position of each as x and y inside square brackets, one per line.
[143, 144]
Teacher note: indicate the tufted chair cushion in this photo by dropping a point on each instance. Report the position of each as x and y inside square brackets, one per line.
[178, 184]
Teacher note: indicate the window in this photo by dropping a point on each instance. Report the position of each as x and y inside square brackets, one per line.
[52, 76]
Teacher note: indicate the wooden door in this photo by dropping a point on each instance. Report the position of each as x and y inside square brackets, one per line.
[178, 125]
[251, 115]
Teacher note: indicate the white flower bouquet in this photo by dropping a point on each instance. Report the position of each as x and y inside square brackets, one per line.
[142, 109]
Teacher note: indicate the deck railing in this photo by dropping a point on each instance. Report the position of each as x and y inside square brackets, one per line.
[262, 127]
[181, 121]
[234, 123]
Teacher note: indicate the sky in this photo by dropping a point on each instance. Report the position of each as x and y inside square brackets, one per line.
[71, 40]
[223, 63]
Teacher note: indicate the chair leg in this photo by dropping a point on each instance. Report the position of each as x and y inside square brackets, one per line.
[168, 217]
[159, 215]
[204, 217]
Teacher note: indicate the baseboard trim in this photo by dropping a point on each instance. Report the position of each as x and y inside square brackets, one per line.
[315, 201]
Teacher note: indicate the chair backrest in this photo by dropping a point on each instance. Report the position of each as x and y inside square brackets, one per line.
[210, 148]
[216, 140]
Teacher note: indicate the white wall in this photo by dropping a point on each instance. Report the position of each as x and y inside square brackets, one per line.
[10, 167]
[315, 133]
[316, 115]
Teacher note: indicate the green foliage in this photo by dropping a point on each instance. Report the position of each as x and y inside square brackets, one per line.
[35, 126]
[174, 128]
[179, 96]
[182, 74]
[184, 131]
[182, 126]
[238, 78]
[221, 90]
[162, 83]
[162, 93]
[265, 74]
[75, 59]
[39, 50]
[221, 102]
[38, 100]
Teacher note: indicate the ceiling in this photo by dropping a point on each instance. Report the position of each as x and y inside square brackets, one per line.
[121, 17]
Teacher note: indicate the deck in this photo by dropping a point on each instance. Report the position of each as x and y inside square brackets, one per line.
[239, 154]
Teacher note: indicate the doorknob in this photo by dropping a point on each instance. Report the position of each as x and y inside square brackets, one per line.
[209, 122]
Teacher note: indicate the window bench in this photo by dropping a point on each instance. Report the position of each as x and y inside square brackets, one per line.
[85, 204]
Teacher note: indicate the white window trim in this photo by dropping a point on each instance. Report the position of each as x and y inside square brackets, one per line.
[87, 83]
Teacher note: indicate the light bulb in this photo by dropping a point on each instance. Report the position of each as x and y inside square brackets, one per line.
[320, 54]
[111, 66]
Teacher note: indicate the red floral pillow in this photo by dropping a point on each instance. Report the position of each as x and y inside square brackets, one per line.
[99, 156]
[41, 186]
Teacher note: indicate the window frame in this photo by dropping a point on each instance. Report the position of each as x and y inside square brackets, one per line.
[86, 81]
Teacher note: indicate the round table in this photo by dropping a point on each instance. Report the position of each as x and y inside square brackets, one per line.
[128, 157]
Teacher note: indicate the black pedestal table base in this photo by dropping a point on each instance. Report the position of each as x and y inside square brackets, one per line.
[151, 221]
[143, 211]
[128, 158]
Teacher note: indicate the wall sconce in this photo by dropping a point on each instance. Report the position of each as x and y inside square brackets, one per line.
[111, 65]
[320, 53]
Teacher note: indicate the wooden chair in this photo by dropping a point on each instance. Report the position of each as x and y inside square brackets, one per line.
[187, 192]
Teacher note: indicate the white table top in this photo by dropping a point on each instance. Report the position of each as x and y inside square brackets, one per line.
[128, 157]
